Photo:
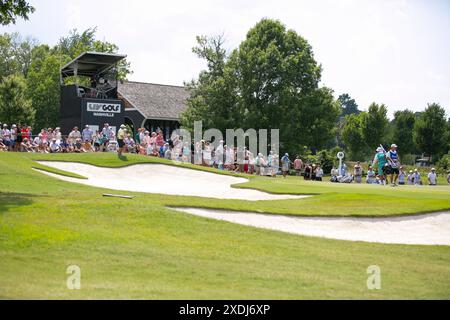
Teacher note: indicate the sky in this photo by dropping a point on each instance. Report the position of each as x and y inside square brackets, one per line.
[395, 52]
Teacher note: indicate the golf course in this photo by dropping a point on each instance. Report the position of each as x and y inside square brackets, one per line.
[144, 248]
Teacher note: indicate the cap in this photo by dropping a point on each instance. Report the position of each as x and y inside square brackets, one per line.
[433, 169]
[394, 146]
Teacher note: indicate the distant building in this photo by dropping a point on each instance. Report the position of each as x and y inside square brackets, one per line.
[153, 106]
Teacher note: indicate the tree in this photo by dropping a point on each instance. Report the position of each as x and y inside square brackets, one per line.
[212, 97]
[403, 130]
[15, 54]
[352, 136]
[373, 125]
[43, 86]
[349, 105]
[430, 130]
[14, 106]
[269, 82]
[11, 9]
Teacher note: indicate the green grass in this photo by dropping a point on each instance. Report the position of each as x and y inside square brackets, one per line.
[140, 249]
[329, 199]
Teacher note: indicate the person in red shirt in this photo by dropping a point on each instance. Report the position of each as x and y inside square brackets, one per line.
[25, 133]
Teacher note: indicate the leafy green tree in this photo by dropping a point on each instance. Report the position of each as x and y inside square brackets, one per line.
[14, 105]
[212, 99]
[352, 136]
[403, 131]
[43, 86]
[11, 9]
[316, 119]
[373, 125]
[430, 130]
[15, 54]
[349, 105]
[269, 82]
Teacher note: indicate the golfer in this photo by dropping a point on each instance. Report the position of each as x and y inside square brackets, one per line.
[120, 139]
[380, 159]
[394, 163]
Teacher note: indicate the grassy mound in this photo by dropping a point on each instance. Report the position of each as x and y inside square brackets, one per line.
[140, 249]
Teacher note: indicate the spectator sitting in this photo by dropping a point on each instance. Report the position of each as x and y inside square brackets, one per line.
[371, 176]
[26, 146]
[77, 146]
[168, 153]
[64, 146]
[410, 178]
[87, 147]
[54, 146]
[2, 145]
[113, 146]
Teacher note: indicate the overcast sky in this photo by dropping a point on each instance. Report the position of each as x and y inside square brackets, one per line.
[395, 52]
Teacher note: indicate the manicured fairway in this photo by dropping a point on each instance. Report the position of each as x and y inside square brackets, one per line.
[140, 249]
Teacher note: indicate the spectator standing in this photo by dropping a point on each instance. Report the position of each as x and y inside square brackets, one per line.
[285, 165]
[410, 178]
[13, 137]
[298, 166]
[87, 134]
[357, 172]
[432, 177]
[401, 177]
[417, 178]
[74, 135]
[6, 134]
[319, 173]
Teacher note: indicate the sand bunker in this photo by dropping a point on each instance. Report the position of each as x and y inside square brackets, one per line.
[162, 179]
[430, 229]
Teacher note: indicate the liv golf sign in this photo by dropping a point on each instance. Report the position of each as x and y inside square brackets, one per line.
[103, 109]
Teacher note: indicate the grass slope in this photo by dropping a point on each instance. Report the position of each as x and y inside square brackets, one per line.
[330, 199]
[140, 249]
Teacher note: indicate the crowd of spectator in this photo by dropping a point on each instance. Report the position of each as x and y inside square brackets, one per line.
[21, 138]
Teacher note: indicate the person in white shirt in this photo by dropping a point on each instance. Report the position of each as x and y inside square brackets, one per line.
[410, 178]
[87, 134]
[432, 177]
[371, 176]
[319, 173]
[357, 172]
[54, 146]
[417, 178]
[74, 135]
[6, 135]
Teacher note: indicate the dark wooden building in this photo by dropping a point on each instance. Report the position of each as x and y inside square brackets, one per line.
[153, 106]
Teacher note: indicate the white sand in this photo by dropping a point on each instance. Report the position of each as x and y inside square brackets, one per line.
[162, 179]
[430, 229]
